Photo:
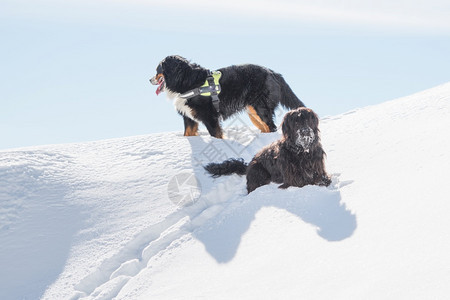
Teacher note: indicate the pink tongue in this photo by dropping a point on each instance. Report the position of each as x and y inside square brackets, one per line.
[160, 86]
[158, 90]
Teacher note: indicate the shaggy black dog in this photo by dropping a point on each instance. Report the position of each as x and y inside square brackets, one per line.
[297, 159]
[243, 87]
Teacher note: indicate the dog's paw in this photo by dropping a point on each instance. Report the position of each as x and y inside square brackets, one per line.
[284, 186]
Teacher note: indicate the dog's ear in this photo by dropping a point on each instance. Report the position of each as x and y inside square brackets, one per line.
[171, 65]
[286, 127]
[314, 121]
[175, 71]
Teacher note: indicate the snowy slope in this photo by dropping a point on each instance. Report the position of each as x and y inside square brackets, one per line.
[137, 218]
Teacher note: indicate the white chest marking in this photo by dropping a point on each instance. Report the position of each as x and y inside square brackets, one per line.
[180, 104]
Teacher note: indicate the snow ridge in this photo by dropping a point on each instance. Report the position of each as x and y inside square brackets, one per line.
[138, 218]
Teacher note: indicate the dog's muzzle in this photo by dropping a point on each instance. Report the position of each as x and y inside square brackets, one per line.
[159, 81]
[153, 80]
[305, 138]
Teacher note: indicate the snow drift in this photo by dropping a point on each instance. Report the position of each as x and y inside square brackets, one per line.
[137, 218]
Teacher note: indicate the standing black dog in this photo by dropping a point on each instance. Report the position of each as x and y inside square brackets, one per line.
[257, 89]
[297, 159]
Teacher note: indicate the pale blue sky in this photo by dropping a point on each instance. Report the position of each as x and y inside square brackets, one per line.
[76, 71]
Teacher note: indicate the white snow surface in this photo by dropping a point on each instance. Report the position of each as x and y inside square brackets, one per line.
[138, 218]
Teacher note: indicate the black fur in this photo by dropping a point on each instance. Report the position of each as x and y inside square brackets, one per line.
[228, 167]
[297, 159]
[243, 86]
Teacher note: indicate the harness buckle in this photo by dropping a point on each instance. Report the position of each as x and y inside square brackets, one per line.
[215, 102]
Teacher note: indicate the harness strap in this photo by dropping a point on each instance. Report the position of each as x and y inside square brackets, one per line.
[210, 88]
[214, 93]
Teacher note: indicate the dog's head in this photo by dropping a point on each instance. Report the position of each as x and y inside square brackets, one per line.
[301, 128]
[175, 73]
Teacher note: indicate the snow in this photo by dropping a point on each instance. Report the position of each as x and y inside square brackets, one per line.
[137, 217]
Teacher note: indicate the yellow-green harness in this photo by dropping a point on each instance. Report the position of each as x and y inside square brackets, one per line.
[211, 88]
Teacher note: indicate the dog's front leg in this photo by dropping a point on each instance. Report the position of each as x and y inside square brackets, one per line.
[213, 126]
[290, 172]
[190, 127]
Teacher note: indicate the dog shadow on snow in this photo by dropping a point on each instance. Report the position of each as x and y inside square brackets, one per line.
[319, 206]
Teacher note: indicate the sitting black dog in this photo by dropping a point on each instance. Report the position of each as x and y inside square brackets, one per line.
[297, 159]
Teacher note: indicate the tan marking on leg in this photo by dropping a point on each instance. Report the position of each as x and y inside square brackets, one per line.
[219, 134]
[191, 131]
[256, 120]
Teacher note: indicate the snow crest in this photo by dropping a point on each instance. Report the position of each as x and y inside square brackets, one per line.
[138, 218]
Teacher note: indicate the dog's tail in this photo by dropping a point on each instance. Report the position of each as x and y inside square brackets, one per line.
[288, 98]
[228, 167]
